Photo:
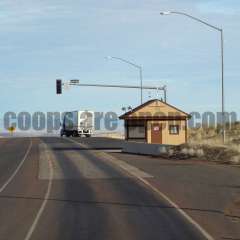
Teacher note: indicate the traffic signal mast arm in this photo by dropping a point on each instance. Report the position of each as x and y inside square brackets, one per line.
[76, 83]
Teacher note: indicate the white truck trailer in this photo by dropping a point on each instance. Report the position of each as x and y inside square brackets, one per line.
[78, 123]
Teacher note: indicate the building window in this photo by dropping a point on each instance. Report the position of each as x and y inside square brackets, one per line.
[136, 132]
[174, 129]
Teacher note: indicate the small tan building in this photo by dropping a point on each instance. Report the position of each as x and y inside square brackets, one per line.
[156, 122]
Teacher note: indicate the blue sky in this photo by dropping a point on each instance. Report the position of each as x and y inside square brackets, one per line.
[44, 40]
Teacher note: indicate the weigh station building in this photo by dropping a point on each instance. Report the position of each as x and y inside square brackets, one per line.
[156, 122]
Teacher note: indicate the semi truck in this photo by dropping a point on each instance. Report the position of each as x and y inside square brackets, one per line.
[77, 124]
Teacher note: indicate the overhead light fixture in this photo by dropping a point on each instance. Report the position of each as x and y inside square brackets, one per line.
[165, 13]
[108, 57]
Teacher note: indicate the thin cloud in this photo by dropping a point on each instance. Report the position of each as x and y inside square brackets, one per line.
[230, 7]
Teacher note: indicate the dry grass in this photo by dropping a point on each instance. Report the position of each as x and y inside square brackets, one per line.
[116, 135]
[212, 136]
[206, 144]
[204, 152]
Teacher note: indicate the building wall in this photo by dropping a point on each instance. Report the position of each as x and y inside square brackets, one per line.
[157, 108]
[167, 138]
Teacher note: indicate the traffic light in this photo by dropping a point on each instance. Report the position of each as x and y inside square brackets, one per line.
[59, 86]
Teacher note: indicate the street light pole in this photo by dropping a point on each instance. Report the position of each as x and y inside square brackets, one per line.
[223, 92]
[222, 60]
[136, 66]
[141, 84]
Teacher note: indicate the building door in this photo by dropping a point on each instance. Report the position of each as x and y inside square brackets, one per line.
[156, 133]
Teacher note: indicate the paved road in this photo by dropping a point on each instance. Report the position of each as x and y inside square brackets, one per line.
[53, 188]
[208, 192]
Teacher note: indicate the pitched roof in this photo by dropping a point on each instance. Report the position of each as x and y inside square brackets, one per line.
[127, 114]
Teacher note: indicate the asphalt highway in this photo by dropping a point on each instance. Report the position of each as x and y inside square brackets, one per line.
[82, 188]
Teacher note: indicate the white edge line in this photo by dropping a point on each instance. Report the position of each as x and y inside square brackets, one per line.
[182, 212]
[46, 197]
[18, 168]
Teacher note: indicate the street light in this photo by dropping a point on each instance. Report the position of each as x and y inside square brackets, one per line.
[222, 59]
[134, 65]
[165, 13]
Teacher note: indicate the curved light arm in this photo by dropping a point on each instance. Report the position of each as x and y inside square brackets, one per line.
[192, 17]
[124, 60]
